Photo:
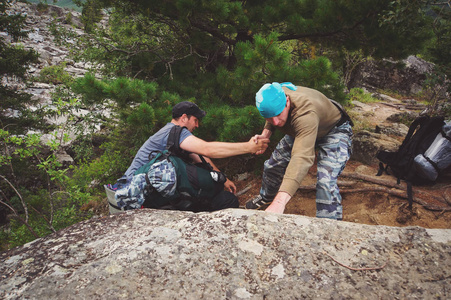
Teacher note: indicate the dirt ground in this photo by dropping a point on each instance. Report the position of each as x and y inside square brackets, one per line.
[374, 208]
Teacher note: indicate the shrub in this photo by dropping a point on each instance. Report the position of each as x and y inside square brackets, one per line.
[55, 74]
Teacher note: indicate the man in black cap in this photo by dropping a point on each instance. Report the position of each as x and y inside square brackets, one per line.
[187, 114]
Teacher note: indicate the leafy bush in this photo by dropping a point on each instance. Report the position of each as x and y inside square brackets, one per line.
[55, 74]
[358, 94]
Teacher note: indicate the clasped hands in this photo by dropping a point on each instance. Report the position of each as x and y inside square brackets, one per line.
[258, 144]
[259, 138]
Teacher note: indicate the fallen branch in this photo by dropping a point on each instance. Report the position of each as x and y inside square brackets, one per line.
[371, 179]
[445, 196]
[402, 186]
[397, 106]
[356, 269]
[247, 188]
[397, 193]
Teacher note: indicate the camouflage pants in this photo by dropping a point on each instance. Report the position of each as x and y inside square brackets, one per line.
[334, 150]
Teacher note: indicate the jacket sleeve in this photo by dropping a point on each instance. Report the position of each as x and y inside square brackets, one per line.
[302, 154]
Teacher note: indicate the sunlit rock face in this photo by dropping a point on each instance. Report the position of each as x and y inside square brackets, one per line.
[230, 254]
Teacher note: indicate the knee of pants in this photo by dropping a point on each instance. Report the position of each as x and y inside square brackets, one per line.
[223, 200]
[326, 180]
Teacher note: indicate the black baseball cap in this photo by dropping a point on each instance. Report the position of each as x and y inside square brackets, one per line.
[188, 108]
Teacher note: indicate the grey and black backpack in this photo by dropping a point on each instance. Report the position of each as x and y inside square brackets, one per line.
[423, 155]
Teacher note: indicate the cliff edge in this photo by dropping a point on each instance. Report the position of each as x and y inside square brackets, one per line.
[230, 254]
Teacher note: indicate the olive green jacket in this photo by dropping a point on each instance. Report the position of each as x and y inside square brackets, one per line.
[312, 115]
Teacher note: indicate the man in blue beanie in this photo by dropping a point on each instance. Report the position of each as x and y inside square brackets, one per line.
[309, 119]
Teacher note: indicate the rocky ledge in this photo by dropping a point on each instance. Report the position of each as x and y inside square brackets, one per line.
[230, 254]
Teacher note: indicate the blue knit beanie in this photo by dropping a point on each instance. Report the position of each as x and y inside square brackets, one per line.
[270, 99]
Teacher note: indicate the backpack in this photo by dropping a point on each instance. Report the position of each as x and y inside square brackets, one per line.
[422, 133]
[170, 181]
[437, 158]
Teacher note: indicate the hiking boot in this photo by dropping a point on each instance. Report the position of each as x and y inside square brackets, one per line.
[257, 203]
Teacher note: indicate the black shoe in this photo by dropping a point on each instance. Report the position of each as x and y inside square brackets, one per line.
[257, 203]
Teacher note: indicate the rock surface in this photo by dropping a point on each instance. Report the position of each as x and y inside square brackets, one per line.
[366, 145]
[230, 254]
[405, 77]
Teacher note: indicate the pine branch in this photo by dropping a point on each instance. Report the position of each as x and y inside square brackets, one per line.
[327, 34]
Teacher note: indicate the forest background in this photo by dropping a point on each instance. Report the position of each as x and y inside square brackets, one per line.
[145, 56]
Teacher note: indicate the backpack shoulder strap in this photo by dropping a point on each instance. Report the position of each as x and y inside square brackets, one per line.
[173, 144]
[413, 127]
[174, 137]
[343, 112]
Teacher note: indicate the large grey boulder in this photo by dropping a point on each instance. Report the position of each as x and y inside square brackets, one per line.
[406, 76]
[230, 254]
[366, 145]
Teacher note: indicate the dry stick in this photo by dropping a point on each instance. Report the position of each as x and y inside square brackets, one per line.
[356, 269]
[401, 186]
[374, 180]
[401, 194]
[397, 193]
[445, 196]
[247, 188]
[45, 218]
[20, 219]
[391, 105]
[20, 197]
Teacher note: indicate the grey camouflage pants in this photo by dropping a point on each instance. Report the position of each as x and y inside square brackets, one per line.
[334, 151]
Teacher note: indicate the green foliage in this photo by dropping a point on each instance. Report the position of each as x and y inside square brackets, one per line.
[55, 74]
[65, 213]
[212, 125]
[19, 234]
[13, 145]
[257, 62]
[14, 62]
[244, 123]
[441, 28]
[105, 169]
[228, 124]
[142, 120]
[435, 92]
[126, 91]
[68, 19]
[24, 161]
[358, 94]
[41, 6]
[438, 52]
[264, 61]
[123, 91]
[82, 148]
[89, 88]
[91, 15]
[225, 50]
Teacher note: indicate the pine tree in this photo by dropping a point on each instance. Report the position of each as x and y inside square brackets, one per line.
[14, 61]
[223, 51]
